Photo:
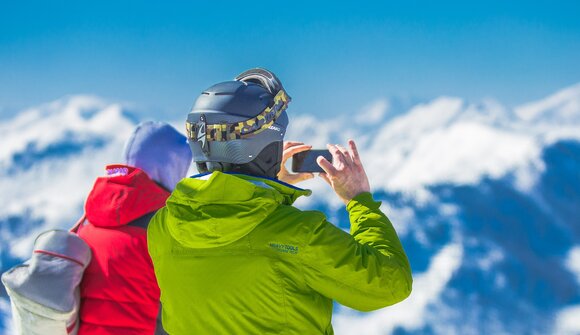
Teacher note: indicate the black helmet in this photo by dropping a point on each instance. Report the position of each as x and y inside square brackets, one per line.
[239, 125]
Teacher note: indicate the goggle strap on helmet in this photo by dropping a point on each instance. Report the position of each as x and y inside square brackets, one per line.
[203, 132]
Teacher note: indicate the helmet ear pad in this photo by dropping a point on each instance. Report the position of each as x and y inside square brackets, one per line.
[266, 164]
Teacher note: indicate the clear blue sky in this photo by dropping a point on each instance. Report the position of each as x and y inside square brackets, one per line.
[333, 57]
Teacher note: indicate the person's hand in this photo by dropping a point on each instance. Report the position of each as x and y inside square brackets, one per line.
[290, 149]
[345, 174]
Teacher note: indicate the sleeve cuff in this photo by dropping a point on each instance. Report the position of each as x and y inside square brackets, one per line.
[365, 199]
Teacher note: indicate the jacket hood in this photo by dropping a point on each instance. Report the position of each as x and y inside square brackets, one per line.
[125, 194]
[217, 209]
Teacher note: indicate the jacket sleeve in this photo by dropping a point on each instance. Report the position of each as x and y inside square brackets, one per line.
[365, 270]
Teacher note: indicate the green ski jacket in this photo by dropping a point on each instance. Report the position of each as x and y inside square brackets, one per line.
[233, 256]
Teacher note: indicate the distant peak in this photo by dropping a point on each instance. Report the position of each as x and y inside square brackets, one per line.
[562, 106]
[80, 118]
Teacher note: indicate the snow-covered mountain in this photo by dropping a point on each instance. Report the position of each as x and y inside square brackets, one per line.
[485, 198]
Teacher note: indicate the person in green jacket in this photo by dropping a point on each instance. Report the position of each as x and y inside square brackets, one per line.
[230, 252]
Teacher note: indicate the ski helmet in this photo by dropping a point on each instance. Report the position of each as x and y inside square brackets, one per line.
[239, 125]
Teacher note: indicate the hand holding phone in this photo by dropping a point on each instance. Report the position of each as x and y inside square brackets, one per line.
[346, 175]
[305, 161]
[291, 148]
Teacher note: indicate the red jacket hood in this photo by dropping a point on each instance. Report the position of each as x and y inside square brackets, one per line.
[125, 194]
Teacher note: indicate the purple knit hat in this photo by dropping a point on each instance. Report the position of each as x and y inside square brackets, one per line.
[159, 150]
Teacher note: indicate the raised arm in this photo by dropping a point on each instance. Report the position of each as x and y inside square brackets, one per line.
[367, 269]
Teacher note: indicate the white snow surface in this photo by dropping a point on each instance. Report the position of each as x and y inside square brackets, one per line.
[573, 262]
[567, 320]
[5, 314]
[561, 106]
[53, 189]
[373, 112]
[448, 140]
[80, 116]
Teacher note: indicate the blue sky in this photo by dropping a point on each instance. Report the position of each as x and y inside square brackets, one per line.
[332, 57]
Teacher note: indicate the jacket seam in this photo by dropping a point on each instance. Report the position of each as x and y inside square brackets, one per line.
[303, 265]
[301, 255]
[55, 254]
[280, 280]
[284, 300]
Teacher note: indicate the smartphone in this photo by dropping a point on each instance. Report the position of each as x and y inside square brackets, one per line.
[305, 161]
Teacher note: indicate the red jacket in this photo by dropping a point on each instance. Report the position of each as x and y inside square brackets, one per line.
[119, 291]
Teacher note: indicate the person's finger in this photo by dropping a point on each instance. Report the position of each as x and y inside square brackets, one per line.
[291, 151]
[325, 178]
[283, 169]
[354, 152]
[284, 159]
[288, 144]
[326, 166]
[347, 156]
[337, 155]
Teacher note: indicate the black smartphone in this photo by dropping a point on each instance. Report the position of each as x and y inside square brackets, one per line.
[305, 161]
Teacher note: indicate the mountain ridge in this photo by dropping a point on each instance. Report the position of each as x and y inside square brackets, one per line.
[454, 178]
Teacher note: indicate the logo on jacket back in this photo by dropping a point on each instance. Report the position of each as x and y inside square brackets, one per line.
[285, 248]
[117, 171]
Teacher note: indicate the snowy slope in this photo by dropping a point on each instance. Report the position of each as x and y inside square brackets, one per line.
[484, 198]
[449, 140]
[49, 158]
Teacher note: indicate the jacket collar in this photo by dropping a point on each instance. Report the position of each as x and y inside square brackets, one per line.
[125, 194]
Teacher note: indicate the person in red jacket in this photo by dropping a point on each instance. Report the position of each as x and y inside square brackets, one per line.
[119, 292]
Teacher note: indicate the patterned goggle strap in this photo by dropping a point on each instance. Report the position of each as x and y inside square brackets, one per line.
[203, 132]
